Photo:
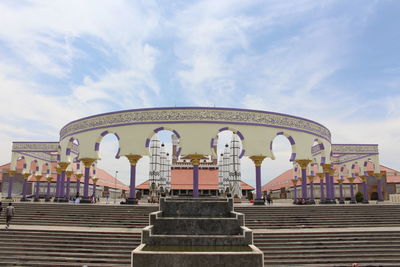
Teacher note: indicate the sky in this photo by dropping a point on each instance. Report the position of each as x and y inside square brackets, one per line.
[335, 62]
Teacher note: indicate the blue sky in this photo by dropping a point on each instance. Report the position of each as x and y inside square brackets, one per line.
[335, 62]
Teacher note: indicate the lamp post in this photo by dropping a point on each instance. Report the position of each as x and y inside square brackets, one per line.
[115, 187]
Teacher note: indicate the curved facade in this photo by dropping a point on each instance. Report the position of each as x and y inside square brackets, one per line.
[196, 130]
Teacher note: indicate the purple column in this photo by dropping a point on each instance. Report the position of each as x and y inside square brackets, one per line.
[365, 194]
[380, 195]
[295, 192]
[62, 186]
[258, 182]
[332, 184]
[312, 191]
[67, 189]
[10, 187]
[353, 199]
[37, 189]
[86, 183]
[304, 183]
[328, 190]
[78, 185]
[94, 189]
[322, 193]
[341, 192]
[58, 185]
[48, 190]
[132, 186]
[195, 180]
[24, 188]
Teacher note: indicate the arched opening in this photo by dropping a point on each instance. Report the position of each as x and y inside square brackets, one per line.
[282, 149]
[228, 145]
[110, 169]
[164, 150]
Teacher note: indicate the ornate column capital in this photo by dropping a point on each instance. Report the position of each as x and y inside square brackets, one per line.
[320, 176]
[78, 176]
[49, 179]
[257, 160]
[351, 179]
[11, 173]
[294, 181]
[326, 167]
[133, 159]
[195, 159]
[88, 161]
[331, 172]
[26, 175]
[63, 165]
[303, 163]
[363, 178]
[59, 170]
[310, 178]
[38, 177]
[378, 176]
[340, 181]
[69, 173]
[95, 180]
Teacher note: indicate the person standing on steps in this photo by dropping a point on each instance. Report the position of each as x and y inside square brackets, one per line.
[9, 214]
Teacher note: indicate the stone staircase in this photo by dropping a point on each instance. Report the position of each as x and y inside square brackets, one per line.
[280, 217]
[333, 244]
[66, 248]
[367, 248]
[82, 215]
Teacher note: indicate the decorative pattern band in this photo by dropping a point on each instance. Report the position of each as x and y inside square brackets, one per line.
[36, 146]
[195, 115]
[354, 149]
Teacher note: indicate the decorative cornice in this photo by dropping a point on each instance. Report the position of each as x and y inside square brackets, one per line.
[195, 115]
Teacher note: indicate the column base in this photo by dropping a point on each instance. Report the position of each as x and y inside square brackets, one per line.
[132, 201]
[310, 202]
[60, 199]
[365, 202]
[10, 198]
[380, 200]
[323, 201]
[258, 202]
[353, 202]
[24, 199]
[341, 202]
[47, 199]
[85, 200]
[36, 200]
[330, 201]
